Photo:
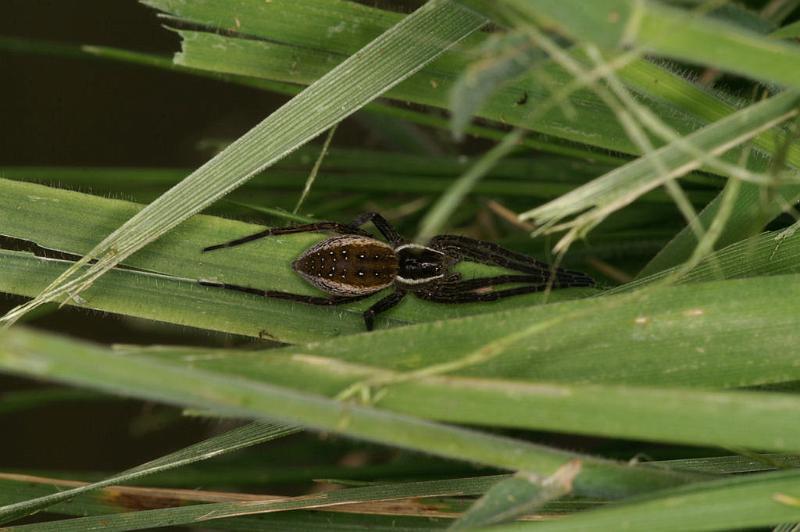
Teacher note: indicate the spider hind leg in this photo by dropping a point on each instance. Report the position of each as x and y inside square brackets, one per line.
[287, 296]
[381, 306]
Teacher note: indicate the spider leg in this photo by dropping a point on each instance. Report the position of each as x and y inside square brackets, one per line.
[462, 247]
[288, 296]
[336, 227]
[470, 285]
[467, 296]
[352, 228]
[485, 253]
[381, 306]
[483, 282]
[383, 225]
[306, 228]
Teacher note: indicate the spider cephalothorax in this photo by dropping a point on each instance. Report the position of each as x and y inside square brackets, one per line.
[354, 265]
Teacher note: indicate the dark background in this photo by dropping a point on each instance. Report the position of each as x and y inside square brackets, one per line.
[93, 112]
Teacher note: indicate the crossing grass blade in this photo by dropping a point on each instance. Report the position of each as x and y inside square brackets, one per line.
[347, 87]
[110, 500]
[118, 499]
[733, 419]
[208, 514]
[670, 32]
[230, 441]
[718, 334]
[594, 201]
[770, 253]
[517, 496]
[43, 356]
[749, 501]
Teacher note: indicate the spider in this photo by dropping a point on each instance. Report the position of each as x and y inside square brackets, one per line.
[354, 265]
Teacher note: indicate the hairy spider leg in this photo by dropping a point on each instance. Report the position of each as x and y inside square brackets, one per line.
[444, 296]
[486, 253]
[352, 228]
[369, 315]
[383, 225]
[336, 227]
[288, 296]
[462, 247]
[484, 282]
[381, 306]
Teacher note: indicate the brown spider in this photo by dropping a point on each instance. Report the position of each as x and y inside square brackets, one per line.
[354, 265]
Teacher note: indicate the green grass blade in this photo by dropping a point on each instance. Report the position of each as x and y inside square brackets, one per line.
[594, 124]
[622, 186]
[790, 31]
[670, 32]
[69, 221]
[234, 440]
[340, 26]
[517, 496]
[506, 57]
[202, 513]
[770, 253]
[43, 356]
[738, 419]
[182, 301]
[16, 487]
[350, 85]
[716, 334]
[746, 502]
[752, 213]
[726, 465]
[108, 53]
[117, 499]
[679, 102]
[72, 222]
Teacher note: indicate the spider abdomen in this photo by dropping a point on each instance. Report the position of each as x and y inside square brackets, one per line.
[348, 265]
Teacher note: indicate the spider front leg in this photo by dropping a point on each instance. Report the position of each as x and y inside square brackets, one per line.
[466, 291]
[465, 248]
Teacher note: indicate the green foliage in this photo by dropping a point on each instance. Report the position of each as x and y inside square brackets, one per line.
[655, 174]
